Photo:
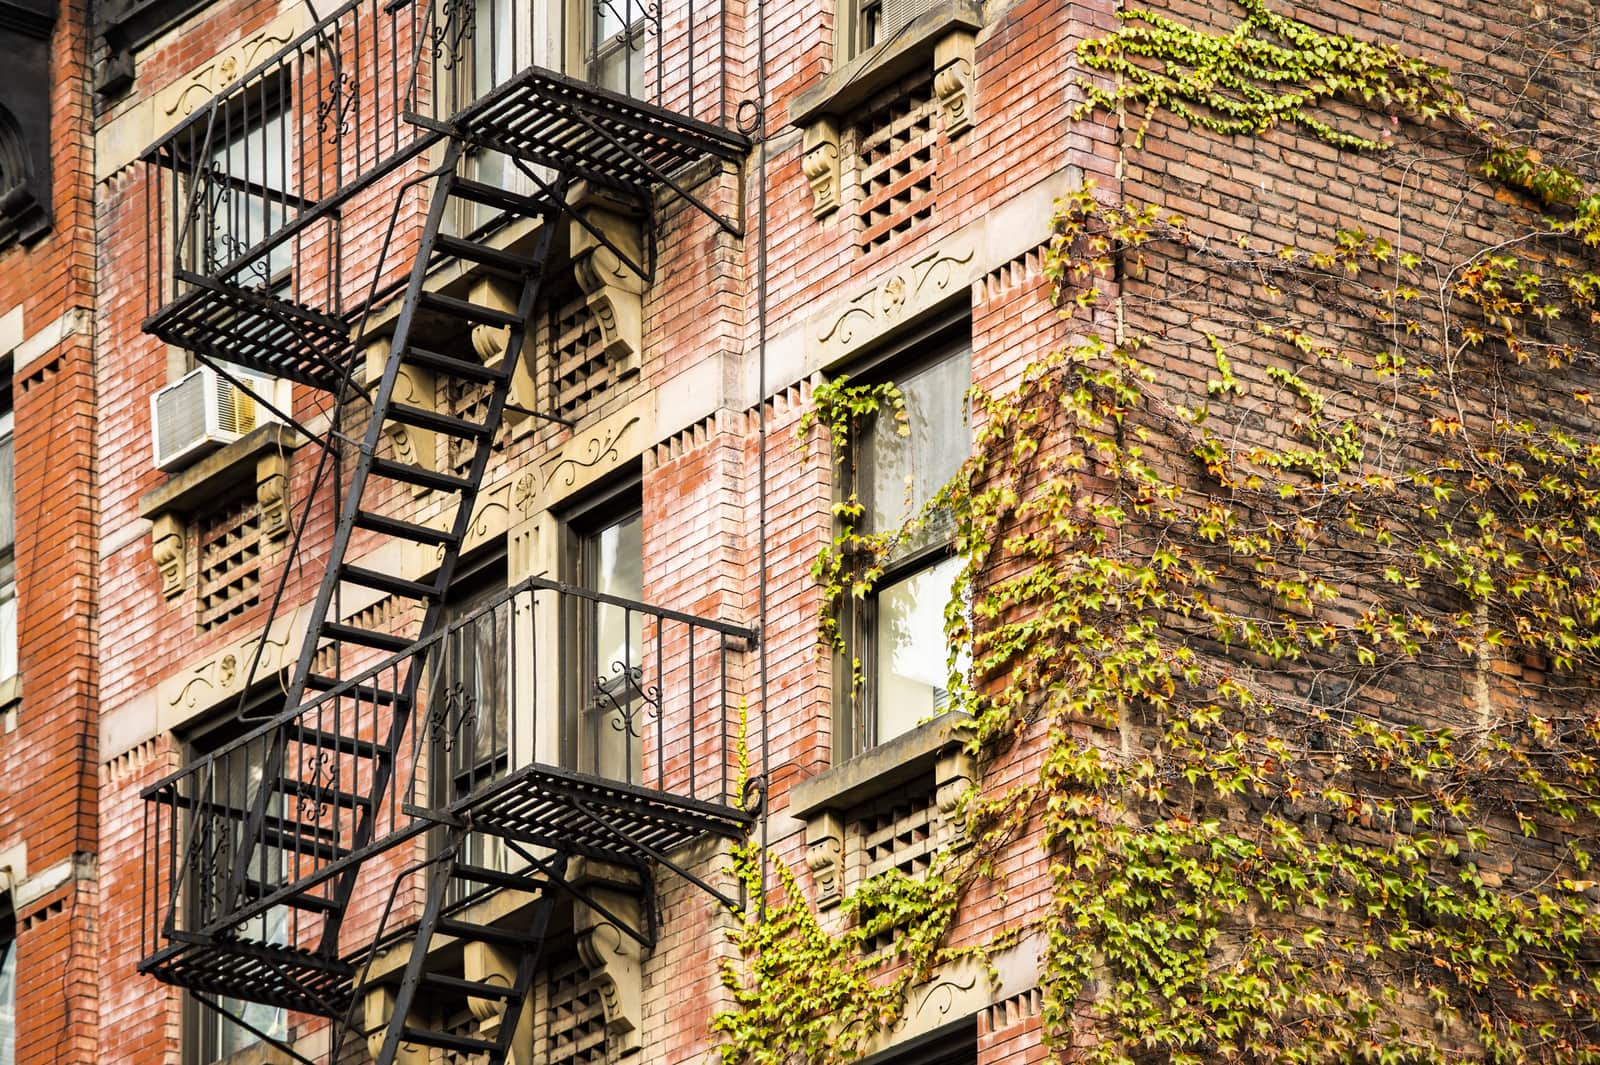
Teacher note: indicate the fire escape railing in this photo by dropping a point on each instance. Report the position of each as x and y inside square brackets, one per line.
[251, 198]
[537, 710]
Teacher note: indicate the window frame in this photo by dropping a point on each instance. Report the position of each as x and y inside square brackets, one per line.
[10, 620]
[611, 506]
[857, 713]
[203, 1028]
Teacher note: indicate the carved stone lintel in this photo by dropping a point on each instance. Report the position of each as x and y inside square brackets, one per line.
[377, 1007]
[953, 81]
[825, 857]
[414, 387]
[820, 162]
[613, 958]
[953, 776]
[167, 546]
[612, 288]
[272, 494]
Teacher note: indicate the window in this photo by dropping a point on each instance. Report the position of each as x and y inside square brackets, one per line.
[8, 983]
[863, 25]
[897, 631]
[606, 556]
[469, 697]
[245, 192]
[615, 58]
[235, 783]
[8, 535]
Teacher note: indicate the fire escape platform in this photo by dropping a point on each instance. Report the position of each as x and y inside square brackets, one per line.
[289, 977]
[592, 817]
[602, 137]
[248, 327]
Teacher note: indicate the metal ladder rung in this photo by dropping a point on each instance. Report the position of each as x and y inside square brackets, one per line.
[387, 582]
[451, 366]
[418, 475]
[382, 641]
[470, 988]
[501, 937]
[401, 529]
[498, 198]
[483, 254]
[430, 1037]
[423, 418]
[329, 741]
[366, 693]
[472, 312]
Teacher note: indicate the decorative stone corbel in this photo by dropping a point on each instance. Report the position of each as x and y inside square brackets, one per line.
[612, 957]
[414, 387]
[167, 546]
[953, 80]
[490, 343]
[376, 1008]
[613, 290]
[272, 494]
[825, 857]
[820, 162]
[490, 965]
[952, 777]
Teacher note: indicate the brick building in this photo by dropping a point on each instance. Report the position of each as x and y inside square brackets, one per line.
[418, 421]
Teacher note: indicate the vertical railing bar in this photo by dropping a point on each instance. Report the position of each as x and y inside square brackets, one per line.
[693, 747]
[627, 681]
[722, 662]
[689, 34]
[661, 705]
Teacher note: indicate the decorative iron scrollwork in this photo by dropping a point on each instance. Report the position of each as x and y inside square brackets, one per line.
[454, 713]
[319, 770]
[625, 694]
[452, 32]
[333, 113]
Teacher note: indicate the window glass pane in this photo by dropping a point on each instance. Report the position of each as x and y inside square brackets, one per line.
[8, 994]
[911, 667]
[257, 153]
[612, 563]
[901, 473]
[8, 486]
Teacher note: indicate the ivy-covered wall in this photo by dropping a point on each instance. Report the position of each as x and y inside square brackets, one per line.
[1282, 591]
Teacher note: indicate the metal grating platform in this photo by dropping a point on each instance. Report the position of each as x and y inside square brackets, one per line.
[253, 329]
[597, 818]
[256, 972]
[611, 140]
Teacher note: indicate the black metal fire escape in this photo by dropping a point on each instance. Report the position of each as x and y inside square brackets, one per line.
[255, 853]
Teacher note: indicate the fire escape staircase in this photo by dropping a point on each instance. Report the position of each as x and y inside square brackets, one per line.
[218, 856]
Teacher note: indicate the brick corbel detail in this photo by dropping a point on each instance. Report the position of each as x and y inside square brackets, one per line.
[613, 960]
[414, 387]
[612, 289]
[825, 857]
[490, 965]
[953, 81]
[167, 546]
[820, 162]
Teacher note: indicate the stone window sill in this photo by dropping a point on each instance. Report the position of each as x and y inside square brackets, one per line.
[933, 751]
[943, 39]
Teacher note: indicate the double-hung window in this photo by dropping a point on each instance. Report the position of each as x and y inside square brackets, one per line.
[896, 632]
[8, 982]
[606, 557]
[8, 539]
[244, 186]
[615, 52]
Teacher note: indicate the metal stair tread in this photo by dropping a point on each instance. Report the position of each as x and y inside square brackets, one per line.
[470, 988]
[493, 196]
[419, 475]
[401, 529]
[475, 312]
[387, 582]
[483, 254]
[422, 418]
[382, 641]
[452, 366]
[505, 937]
[310, 736]
[446, 1040]
[498, 878]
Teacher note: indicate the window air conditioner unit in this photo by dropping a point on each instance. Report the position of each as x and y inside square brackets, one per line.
[202, 411]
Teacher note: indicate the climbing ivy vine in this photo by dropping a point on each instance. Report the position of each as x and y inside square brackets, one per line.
[1297, 599]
